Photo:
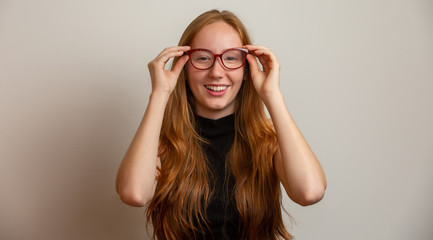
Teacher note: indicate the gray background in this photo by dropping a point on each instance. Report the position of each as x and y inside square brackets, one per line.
[357, 77]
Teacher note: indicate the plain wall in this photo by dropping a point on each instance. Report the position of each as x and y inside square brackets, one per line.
[357, 78]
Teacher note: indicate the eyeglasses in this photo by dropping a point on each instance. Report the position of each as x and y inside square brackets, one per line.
[204, 59]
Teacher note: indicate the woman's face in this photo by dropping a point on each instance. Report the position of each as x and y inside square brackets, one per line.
[215, 89]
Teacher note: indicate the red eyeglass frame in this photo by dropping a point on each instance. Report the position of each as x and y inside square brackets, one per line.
[189, 52]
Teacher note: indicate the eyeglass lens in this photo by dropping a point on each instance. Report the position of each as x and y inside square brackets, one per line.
[203, 59]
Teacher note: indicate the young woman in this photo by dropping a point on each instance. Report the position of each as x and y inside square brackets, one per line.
[205, 159]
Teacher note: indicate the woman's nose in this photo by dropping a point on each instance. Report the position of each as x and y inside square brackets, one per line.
[217, 70]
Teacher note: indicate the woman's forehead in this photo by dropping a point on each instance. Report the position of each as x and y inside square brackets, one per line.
[217, 37]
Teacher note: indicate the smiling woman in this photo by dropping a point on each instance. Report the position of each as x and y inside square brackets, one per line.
[205, 158]
[215, 87]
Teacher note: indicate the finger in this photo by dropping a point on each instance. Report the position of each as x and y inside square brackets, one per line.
[172, 49]
[180, 64]
[255, 47]
[254, 66]
[163, 59]
[263, 61]
[259, 50]
[265, 53]
[267, 58]
[175, 48]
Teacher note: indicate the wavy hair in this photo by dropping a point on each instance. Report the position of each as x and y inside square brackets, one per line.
[183, 191]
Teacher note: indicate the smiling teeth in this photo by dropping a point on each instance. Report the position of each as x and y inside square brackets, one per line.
[216, 88]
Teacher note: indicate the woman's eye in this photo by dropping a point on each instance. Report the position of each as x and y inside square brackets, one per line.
[203, 58]
[230, 58]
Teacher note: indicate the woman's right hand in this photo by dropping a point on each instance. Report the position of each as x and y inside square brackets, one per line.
[163, 80]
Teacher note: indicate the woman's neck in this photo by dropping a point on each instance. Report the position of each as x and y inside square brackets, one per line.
[213, 115]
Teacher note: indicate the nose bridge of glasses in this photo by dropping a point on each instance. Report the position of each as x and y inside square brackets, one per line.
[220, 56]
[214, 59]
[212, 63]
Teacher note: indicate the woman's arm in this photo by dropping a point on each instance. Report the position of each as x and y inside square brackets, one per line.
[136, 176]
[296, 165]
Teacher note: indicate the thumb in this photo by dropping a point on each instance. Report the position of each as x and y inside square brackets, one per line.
[254, 66]
[180, 64]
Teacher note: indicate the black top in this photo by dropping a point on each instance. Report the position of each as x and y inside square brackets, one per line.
[222, 214]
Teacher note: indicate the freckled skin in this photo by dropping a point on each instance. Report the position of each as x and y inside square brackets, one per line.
[216, 37]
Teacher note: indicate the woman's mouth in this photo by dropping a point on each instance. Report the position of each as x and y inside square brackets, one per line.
[216, 88]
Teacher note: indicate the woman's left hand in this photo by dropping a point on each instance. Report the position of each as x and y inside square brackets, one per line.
[266, 81]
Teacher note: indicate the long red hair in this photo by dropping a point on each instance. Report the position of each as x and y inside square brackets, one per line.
[183, 191]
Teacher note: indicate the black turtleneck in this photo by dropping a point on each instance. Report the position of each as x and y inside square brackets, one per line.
[222, 215]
